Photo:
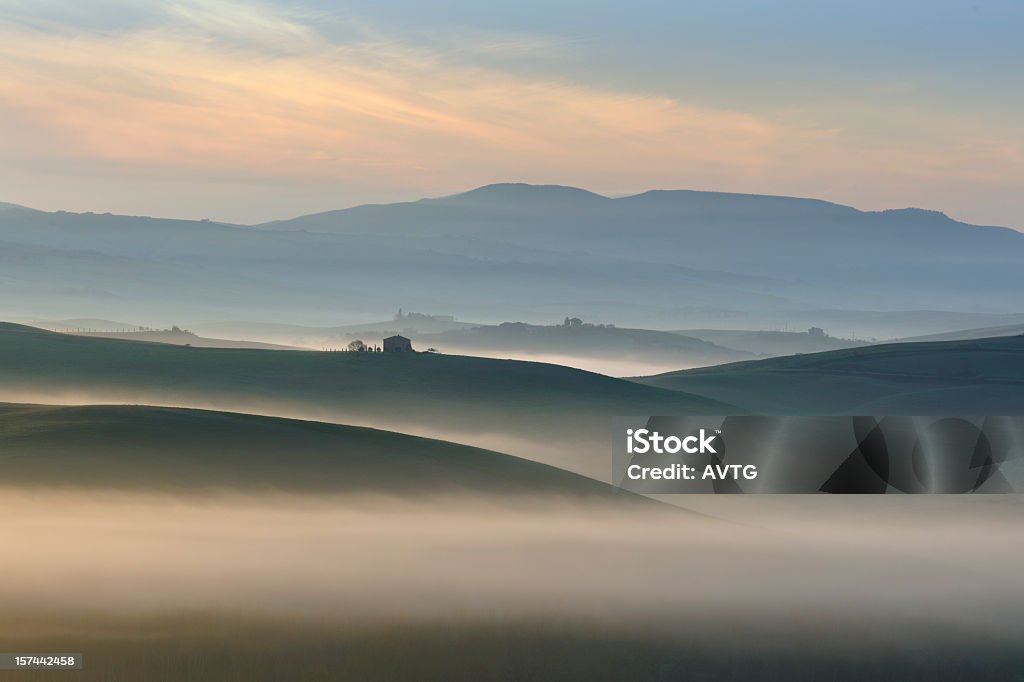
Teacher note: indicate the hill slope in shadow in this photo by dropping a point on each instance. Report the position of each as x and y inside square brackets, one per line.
[967, 334]
[543, 412]
[180, 450]
[978, 377]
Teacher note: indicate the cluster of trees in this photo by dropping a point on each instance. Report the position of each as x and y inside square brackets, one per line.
[577, 322]
[358, 346]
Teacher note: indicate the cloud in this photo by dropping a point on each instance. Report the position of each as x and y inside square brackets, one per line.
[225, 86]
[226, 89]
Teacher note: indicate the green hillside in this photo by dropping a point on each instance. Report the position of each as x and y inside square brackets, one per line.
[29, 356]
[545, 412]
[131, 447]
[967, 334]
[984, 376]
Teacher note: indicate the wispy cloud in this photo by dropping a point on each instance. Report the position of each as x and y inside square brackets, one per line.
[255, 90]
[228, 85]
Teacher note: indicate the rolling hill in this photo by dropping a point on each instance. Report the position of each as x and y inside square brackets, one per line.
[184, 338]
[83, 324]
[147, 448]
[966, 334]
[979, 377]
[583, 342]
[330, 336]
[771, 342]
[539, 411]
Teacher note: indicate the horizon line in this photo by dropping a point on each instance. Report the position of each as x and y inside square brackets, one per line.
[609, 197]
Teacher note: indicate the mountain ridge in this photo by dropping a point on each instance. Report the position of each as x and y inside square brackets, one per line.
[662, 260]
[520, 190]
[504, 191]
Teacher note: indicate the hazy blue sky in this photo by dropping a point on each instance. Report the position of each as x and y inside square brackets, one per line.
[251, 111]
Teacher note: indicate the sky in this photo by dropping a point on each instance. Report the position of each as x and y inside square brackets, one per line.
[253, 111]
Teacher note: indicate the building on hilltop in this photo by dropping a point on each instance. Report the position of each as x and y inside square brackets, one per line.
[397, 344]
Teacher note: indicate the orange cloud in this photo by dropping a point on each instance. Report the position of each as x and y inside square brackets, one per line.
[235, 91]
[320, 109]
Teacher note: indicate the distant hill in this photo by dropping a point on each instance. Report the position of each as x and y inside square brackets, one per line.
[519, 195]
[81, 324]
[979, 377]
[642, 344]
[87, 326]
[584, 341]
[91, 265]
[815, 251]
[543, 412]
[408, 325]
[331, 336]
[184, 338]
[57, 281]
[657, 260]
[892, 326]
[772, 342]
[967, 334]
[131, 447]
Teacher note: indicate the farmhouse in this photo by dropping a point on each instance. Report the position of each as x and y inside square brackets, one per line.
[397, 344]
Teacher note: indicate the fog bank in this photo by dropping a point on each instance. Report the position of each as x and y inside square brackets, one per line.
[358, 560]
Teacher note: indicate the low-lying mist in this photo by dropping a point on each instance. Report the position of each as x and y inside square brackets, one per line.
[831, 577]
[618, 365]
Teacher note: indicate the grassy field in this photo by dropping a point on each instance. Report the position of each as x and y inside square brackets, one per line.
[406, 380]
[540, 411]
[180, 450]
[984, 376]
